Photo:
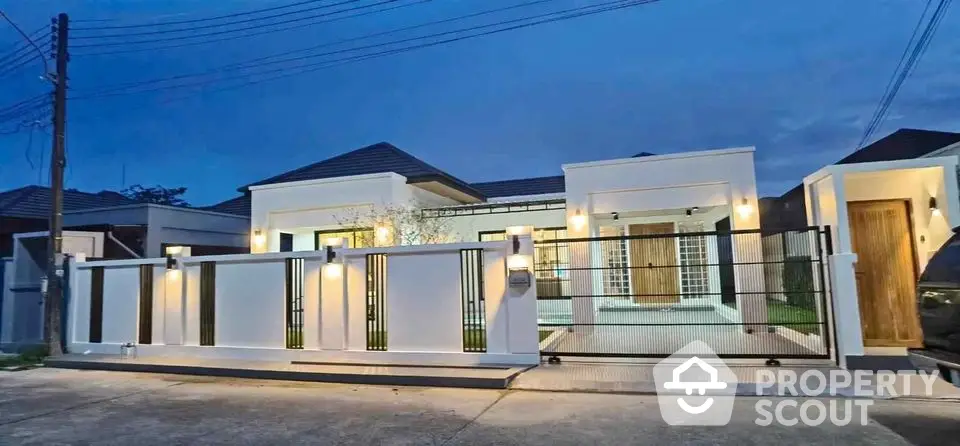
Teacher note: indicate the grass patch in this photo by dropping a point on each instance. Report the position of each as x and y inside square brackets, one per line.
[793, 317]
[544, 334]
[27, 357]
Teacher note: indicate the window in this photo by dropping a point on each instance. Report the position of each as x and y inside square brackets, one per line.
[616, 274]
[356, 238]
[693, 261]
[493, 236]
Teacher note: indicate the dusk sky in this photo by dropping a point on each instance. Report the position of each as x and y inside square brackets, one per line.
[797, 79]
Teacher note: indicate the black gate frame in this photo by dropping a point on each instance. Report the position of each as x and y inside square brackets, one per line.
[824, 248]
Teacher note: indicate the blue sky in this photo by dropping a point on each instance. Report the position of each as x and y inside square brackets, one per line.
[797, 79]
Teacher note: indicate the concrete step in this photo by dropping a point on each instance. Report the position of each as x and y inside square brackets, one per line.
[480, 377]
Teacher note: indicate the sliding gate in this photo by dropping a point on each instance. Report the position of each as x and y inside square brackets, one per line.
[746, 293]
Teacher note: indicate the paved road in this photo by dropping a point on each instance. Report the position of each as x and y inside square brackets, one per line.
[88, 407]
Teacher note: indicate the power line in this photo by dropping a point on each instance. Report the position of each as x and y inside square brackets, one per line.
[916, 49]
[28, 39]
[215, 25]
[260, 61]
[221, 32]
[306, 68]
[248, 35]
[179, 22]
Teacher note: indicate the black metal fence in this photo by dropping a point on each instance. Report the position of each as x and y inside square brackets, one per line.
[294, 302]
[746, 293]
[376, 302]
[95, 332]
[472, 300]
[145, 327]
[208, 311]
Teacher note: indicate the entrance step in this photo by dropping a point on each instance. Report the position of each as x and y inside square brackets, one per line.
[479, 377]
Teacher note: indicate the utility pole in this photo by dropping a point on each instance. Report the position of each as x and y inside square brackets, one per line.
[58, 161]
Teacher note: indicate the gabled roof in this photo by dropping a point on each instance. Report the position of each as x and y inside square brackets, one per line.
[237, 206]
[34, 201]
[523, 186]
[902, 144]
[377, 158]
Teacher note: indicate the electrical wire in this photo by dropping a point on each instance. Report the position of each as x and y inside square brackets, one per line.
[916, 50]
[260, 61]
[179, 22]
[243, 36]
[221, 32]
[216, 25]
[306, 68]
[28, 39]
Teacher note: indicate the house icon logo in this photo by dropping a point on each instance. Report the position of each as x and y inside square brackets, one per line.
[694, 387]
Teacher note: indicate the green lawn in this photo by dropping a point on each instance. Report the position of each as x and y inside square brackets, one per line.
[796, 318]
[544, 334]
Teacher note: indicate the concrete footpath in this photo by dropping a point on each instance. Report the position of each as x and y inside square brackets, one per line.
[47, 406]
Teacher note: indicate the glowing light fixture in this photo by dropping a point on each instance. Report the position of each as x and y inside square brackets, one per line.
[517, 261]
[333, 270]
[934, 209]
[744, 208]
[578, 220]
[259, 238]
[382, 234]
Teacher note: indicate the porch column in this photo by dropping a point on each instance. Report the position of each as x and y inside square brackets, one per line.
[579, 272]
[521, 304]
[748, 263]
[846, 307]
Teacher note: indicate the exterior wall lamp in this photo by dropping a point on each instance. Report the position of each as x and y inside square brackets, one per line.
[578, 220]
[258, 239]
[382, 234]
[332, 269]
[934, 209]
[744, 208]
[518, 268]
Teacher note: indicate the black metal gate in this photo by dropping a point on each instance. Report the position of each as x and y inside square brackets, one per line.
[745, 293]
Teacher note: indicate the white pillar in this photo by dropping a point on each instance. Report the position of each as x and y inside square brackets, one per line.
[312, 312]
[579, 270]
[71, 311]
[333, 314]
[846, 307]
[174, 298]
[522, 336]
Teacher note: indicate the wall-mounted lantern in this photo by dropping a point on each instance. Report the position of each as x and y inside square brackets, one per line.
[578, 220]
[258, 239]
[744, 208]
[934, 208]
[518, 269]
[689, 213]
[332, 269]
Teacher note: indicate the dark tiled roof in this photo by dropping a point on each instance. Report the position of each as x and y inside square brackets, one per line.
[237, 206]
[378, 158]
[34, 201]
[524, 186]
[643, 154]
[901, 145]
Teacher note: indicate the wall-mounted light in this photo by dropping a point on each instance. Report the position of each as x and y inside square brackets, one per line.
[616, 215]
[258, 239]
[695, 208]
[578, 220]
[171, 262]
[744, 208]
[333, 270]
[689, 213]
[515, 240]
[382, 234]
[934, 209]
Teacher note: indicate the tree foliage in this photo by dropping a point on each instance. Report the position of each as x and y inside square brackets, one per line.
[171, 196]
[396, 226]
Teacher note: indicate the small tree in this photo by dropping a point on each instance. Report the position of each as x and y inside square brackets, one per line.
[396, 226]
[156, 195]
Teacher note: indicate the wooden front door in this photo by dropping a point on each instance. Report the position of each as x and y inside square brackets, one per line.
[653, 265]
[882, 238]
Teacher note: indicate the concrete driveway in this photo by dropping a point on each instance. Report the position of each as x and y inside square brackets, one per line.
[91, 407]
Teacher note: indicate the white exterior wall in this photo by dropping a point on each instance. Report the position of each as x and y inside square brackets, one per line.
[171, 225]
[423, 307]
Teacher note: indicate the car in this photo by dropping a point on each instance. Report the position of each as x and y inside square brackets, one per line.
[938, 298]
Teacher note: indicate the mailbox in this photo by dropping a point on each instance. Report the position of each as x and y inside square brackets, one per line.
[518, 278]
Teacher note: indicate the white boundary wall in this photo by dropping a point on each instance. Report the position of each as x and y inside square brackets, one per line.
[424, 316]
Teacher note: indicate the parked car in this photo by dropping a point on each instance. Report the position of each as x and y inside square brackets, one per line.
[938, 295]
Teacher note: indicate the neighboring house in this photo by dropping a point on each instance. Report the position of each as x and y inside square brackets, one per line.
[789, 210]
[103, 225]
